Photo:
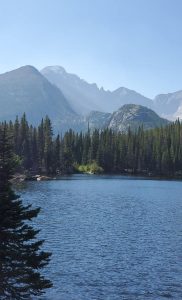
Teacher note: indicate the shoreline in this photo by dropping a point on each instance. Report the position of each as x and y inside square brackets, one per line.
[18, 178]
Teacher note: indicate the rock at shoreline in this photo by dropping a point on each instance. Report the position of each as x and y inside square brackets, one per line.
[23, 177]
[40, 178]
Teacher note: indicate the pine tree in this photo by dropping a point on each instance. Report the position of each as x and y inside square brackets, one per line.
[48, 146]
[40, 145]
[56, 155]
[24, 142]
[17, 136]
[21, 258]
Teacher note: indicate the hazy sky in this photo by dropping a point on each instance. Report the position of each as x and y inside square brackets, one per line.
[131, 43]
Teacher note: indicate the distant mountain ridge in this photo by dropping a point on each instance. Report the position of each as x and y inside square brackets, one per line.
[169, 105]
[85, 97]
[73, 103]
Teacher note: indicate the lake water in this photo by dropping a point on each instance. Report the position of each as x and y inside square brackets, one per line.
[111, 237]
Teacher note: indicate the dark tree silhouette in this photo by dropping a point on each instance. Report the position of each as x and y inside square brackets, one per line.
[21, 258]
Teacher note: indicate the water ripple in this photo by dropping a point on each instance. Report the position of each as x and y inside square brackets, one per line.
[111, 237]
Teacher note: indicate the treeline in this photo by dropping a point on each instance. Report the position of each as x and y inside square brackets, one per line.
[157, 151]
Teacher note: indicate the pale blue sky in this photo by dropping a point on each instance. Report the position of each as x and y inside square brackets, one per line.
[131, 43]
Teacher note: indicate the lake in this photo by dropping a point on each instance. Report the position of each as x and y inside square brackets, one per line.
[111, 237]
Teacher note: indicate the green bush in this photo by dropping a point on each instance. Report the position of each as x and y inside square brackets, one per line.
[91, 168]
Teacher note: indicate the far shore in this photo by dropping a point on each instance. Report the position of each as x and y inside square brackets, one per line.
[18, 178]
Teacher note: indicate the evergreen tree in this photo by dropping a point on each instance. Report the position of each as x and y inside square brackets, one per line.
[56, 155]
[40, 145]
[21, 258]
[17, 136]
[24, 142]
[48, 145]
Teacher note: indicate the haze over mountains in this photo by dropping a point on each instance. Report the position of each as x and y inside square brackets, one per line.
[85, 97]
[71, 102]
[169, 105]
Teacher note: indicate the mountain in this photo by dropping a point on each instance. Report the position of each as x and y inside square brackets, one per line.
[169, 105]
[129, 115]
[134, 116]
[27, 90]
[73, 103]
[96, 119]
[85, 97]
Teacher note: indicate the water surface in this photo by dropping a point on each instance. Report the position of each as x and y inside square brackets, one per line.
[112, 237]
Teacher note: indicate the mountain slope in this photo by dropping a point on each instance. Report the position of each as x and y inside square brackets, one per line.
[169, 105]
[129, 115]
[97, 119]
[85, 97]
[133, 116]
[27, 90]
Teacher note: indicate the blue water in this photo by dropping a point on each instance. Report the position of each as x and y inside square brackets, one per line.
[111, 237]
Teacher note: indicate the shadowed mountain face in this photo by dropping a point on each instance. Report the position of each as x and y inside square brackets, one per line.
[85, 97]
[27, 90]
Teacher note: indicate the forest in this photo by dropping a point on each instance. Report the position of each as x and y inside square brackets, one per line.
[152, 152]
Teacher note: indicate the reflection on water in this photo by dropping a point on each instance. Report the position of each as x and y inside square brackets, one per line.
[111, 237]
